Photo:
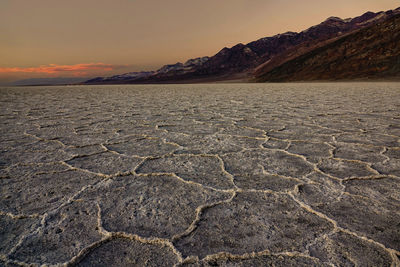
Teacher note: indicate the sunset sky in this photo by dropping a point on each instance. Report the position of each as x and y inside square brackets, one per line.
[56, 38]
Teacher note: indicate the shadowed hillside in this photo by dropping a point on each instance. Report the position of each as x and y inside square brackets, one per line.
[240, 61]
[370, 53]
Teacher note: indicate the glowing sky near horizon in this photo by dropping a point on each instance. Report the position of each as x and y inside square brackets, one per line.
[48, 38]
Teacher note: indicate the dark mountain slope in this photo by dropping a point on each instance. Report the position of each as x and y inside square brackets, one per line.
[242, 57]
[369, 53]
[240, 61]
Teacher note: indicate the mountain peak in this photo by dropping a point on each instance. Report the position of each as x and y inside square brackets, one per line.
[242, 59]
[334, 19]
[349, 57]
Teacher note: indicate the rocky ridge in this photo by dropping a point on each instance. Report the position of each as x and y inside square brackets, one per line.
[369, 53]
[240, 61]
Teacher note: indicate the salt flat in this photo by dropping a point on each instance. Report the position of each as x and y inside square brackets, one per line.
[199, 175]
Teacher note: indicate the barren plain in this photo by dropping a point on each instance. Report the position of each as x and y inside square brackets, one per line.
[201, 175]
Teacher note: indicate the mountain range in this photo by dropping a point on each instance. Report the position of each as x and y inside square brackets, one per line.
[364, 47]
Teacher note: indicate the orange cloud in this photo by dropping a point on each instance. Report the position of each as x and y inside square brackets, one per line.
[77, 69]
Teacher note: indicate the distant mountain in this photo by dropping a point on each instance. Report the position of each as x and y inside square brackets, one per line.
[165, 71]
[130, 76]
[47, 81]
[240, 61]
[369, 53]
[188, 66]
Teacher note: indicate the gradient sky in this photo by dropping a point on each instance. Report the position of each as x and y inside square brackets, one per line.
[66, 38]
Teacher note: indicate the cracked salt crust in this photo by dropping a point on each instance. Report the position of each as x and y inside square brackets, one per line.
[200, 175]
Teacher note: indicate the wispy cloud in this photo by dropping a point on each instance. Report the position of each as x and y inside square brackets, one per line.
[76, 70]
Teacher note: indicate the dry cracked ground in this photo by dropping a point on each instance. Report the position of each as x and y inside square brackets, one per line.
[201, 175]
